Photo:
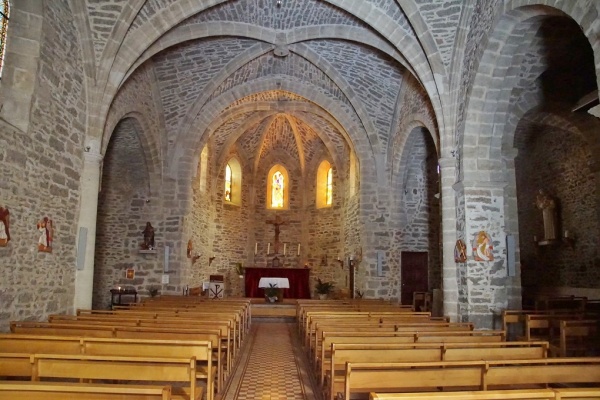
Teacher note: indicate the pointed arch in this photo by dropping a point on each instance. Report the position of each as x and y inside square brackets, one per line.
[324, 190]
[232, 184]
[278, 190]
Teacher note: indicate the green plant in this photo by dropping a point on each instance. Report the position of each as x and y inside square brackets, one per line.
[272, 290]
[323, 287]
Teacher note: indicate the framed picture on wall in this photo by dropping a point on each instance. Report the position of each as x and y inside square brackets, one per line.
[130, 273]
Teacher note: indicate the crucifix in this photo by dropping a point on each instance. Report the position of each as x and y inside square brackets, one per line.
[277, 222]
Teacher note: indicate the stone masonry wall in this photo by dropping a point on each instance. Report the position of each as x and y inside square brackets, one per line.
[557, 161]
[40, 172]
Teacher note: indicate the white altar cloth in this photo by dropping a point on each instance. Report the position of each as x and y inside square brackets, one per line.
[281, 283]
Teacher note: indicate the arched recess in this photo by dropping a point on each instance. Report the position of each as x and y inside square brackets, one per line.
[21, 62]
[278, 188]
[232, 182]
[125, 204]
[324, 182]
[416, 208]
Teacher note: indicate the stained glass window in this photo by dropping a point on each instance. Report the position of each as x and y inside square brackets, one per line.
[278, 189]
[329, 188]
[228, 181]
[4, 12]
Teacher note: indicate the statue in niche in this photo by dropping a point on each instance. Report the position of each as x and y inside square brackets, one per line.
[148, 237]
[44, 227]
[4, 226]
[547, 204]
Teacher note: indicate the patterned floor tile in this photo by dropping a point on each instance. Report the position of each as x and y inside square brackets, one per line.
[272, 366]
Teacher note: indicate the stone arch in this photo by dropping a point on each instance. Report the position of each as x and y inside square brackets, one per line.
[488, 101]
[210, 117]
[150, 148]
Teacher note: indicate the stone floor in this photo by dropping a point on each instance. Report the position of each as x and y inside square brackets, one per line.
[272, 366]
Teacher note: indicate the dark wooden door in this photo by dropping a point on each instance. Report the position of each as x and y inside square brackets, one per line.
[414, 270]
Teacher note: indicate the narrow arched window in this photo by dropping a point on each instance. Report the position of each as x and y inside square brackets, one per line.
[278, 188]
[228, 185]
[203, 169]
[232, 193]
[4, 13]
[324, 185]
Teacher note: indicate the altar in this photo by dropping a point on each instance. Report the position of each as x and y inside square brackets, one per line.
[298, 278]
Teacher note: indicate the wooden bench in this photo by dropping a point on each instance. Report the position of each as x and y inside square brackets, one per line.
[84, 367]
[527, 394]
[329, 337]
[349, 353]
[578, 338]
[128, 332]
[19, 390]
[201, 351]
[468, 375]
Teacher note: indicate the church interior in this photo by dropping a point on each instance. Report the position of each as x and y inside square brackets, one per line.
[156, 148]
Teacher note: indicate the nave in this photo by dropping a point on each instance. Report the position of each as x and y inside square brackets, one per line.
[272, 366]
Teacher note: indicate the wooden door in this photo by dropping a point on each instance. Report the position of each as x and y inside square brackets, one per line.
[414, 270]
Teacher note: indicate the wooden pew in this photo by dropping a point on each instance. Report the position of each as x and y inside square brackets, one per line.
[364, 353]
[83, 367]
[469, 375]
[578, 338]
[19, 390]
[329, 337]
[526, 394]
[200, 350]
[128, 332]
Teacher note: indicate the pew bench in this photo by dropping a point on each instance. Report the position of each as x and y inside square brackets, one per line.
[20, 390]
[84, 367]
[527, 394]
[333, 372]
[469, 375]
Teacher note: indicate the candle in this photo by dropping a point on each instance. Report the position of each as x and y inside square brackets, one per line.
[351, 258]
[255, 248]
[269, 248]
[298, 248]
[566, 233]
[284, 248]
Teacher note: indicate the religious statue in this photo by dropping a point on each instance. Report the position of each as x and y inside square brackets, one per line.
[190, 247]
[4, 226]
[44, 226]
[548, 206]
[277, 222]
[148, 237]
[460, 252]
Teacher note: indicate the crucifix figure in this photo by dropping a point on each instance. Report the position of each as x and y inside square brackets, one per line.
[277, 222]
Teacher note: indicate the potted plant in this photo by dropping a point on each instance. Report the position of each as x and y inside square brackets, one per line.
[271, 293]
[323, 288]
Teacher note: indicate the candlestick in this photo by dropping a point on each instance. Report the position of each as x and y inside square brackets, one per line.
[255, 248]
[284, 248]
[298, 248]
[269, 248]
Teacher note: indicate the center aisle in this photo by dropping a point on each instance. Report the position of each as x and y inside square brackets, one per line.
[272, 366]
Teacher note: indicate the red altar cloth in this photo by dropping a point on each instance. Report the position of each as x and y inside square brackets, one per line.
[298, 277]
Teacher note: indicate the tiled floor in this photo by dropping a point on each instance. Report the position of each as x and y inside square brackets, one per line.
[272, 366]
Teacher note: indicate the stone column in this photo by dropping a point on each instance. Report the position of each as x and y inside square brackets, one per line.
[90, 183]
[448, 212]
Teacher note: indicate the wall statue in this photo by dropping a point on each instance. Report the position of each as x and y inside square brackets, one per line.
[547, 204]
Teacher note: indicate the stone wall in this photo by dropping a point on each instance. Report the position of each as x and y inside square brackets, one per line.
[40, 178]
[558, 161]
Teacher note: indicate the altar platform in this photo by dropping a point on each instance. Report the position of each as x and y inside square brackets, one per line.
[286, 309]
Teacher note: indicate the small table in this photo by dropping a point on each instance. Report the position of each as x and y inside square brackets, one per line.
[279, 283]
[117, 293]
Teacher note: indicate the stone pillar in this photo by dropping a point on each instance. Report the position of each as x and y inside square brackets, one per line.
[90, 183]
[448, 212]
[485, 282]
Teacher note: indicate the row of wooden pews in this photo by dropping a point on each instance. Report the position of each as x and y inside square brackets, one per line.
[188, 344]
[356, 349]
[572, 329]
